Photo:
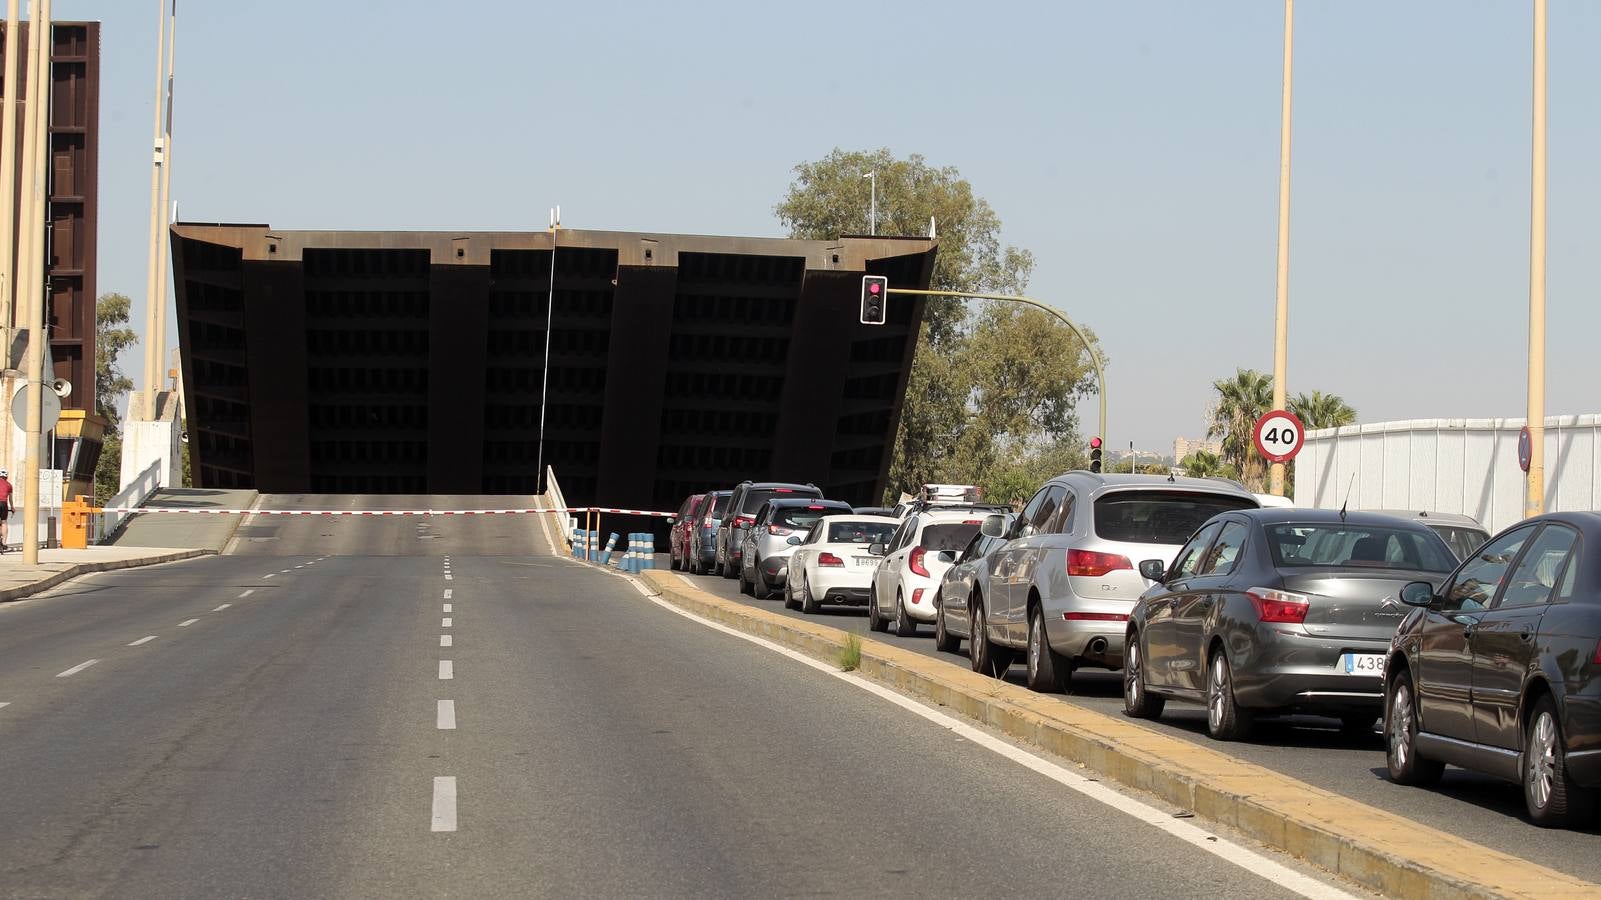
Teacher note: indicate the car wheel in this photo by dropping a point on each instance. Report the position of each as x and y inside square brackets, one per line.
[944, 641]
[1225, 720]
[745, 587]
[986, 657]
[1048, 672]
[1550, 792]
[904, 626]
[874, 623]
[1401, 738]
[809, 604]
[1138, 701]
[759, 587]
[789, 595]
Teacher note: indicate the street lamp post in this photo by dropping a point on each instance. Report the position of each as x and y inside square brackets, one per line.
[872, 203]
[1534, 499]
[1281, 318]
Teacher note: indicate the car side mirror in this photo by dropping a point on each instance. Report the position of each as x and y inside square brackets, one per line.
[1418, 593]
[994, 526]
[672, 520]
[876, 549]
[1153, 570]
[946, 556]
[793, 539]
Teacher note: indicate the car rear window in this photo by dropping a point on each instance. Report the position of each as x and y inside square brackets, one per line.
[860, 532]
[1159, 517]
[755, 497]
[801, 517]
[1462, 541]
[721, 505]
[948, 536]
[1360, 546]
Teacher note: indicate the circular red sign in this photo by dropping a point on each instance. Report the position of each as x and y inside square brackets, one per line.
[1278, 435]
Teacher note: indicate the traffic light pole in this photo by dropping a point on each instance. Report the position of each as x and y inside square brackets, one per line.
[1095, 359]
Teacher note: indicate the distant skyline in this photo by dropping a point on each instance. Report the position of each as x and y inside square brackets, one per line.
[1132, 148]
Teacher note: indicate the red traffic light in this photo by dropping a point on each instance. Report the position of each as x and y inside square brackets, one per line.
[1095, 443]
[872, 287]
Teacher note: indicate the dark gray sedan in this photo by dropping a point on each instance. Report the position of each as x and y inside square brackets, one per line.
[1269, 611]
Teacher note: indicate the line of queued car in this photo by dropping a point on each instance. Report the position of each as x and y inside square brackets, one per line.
[1477, 651]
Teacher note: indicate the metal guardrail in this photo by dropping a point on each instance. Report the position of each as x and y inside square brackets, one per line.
[119, 508]
[554, 494]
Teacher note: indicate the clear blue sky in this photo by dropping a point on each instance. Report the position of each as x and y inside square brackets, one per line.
[1132, 146]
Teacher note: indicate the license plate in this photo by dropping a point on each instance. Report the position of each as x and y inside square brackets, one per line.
[866, 560]
[1371, 664]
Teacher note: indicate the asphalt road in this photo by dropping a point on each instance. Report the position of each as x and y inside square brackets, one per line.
[1468, 804]
[270, 724]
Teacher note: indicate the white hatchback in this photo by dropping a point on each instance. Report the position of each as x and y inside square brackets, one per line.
[915, 559]
[833, 564]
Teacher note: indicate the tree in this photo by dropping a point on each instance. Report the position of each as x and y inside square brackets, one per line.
[1204, 464]
[112, 336]
[1319, 410]
[1242, 400]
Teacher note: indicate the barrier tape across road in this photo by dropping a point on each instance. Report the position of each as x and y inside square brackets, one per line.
[377, 512]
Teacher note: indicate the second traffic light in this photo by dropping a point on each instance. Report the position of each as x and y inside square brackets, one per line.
[1095, 454]
[875, 293]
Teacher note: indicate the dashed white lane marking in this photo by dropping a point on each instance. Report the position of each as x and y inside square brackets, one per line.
[4, 704]
[1247, 859]
[222, 607]
[77, 668]
[445, 641]
[269, 574]
[445, 622]
[301, 566]
[448, 592]
[187, 622]
[144, 640]
[447, 670]
[247, 593]
[444, 818]
[447, 715]
[448, 607]
[447, 576]
[284, 571]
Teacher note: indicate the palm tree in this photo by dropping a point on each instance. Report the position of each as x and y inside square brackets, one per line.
[1202, 464]
[1319, 410]
[1241, 401]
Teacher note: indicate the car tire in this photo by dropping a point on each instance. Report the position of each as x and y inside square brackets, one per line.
[1401, 755]
[904, 626]
[1138, 701]
[1552, 796]
[808, 603]
[789, 595]
[944, 641]
[874, 623]
[1225, 719]
[1048, 671]
[986, 657]
[745, 587]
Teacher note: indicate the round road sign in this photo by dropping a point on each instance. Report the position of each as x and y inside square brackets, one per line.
[1525, 449]
[1278, 435]
[49, 408]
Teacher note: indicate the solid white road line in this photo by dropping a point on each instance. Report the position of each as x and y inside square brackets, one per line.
[444, 818]
[447, 607]
[445, 641]
[247, 593]
[448, 592]
[77, 668]
[1239, 855]
[447, 715]
[447, 670]
[222, 607]
[144, 640]
[445, 622]
[187, 622]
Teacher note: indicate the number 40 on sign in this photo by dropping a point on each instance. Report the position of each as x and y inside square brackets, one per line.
[1279, 435]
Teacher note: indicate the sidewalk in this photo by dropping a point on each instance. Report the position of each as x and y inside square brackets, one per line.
[55, 566]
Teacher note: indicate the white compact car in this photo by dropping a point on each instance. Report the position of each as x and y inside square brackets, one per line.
[833, 564]
[915, 559]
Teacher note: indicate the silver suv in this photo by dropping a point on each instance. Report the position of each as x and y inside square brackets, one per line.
[1062, 586]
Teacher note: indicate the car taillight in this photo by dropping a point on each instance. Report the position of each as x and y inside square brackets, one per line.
[1596, 656]
[917, 596]
[707, 522]
[779, 529]
[1089, 562]
[1095, 617]
[829, 559]
[1279, 606]
[744, 520]
[915, 561]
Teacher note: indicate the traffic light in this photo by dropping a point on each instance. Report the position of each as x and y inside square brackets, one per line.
[1095, 454]
[875, 291]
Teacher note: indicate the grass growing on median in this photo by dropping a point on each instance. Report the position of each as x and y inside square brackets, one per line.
[850, 655]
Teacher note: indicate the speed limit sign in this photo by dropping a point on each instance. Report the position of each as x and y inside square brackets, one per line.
[1278, 435]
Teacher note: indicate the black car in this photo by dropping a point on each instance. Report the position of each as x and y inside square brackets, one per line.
[1275, 610]
[1500, 669]
[740, 514]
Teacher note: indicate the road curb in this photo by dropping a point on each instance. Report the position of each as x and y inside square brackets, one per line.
[1375, 848]
[110, 565]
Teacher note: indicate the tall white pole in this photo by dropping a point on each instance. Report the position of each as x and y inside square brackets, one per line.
[152, 304]
[8, 232]
[544, 379]
[1534, 500]
[1281, 319]
[38, 126]
[159, 339]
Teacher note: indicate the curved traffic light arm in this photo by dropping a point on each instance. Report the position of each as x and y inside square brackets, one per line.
[1095, 358]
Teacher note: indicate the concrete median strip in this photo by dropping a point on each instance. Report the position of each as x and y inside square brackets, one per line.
[1372, 847]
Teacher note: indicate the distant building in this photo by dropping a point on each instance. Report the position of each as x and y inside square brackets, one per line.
[1183, 447]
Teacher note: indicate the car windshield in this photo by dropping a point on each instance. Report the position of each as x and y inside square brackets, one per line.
[948, 536]
[1159, 517]
[801, 517]
[860, 532]
[755, 497]
[1363, 546]
[1462, 541]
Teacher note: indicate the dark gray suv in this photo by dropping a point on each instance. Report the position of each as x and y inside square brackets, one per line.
[748, 497]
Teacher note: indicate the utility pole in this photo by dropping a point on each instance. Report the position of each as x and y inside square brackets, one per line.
[8, 231]
[152, 379]
[1281, 319]
[36, 133]
[1534, 500]
[544, 378]
[158, 338]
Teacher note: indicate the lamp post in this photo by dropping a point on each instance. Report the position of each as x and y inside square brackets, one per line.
[872, 203]
[1534, 500]
[1281, 318]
